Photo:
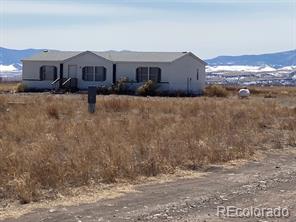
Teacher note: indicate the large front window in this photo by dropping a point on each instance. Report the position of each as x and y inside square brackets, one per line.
[142, 74]
[154, 74]
[88, 73]
[148, 73]
[100, 73]
[48, 73]
[94, 73]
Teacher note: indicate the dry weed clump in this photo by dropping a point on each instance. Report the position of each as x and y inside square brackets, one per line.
[20, 87]
[148, 88]
[52, 111]
[216, 91]
[52, 143]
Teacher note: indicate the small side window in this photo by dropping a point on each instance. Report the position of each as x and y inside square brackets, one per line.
[197, 74]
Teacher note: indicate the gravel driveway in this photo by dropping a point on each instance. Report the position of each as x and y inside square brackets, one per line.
[269, 182]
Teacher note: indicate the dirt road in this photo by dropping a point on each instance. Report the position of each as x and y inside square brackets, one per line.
[268, 182]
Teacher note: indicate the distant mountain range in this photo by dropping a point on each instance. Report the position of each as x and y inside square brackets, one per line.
[14, 56]
[276, 60]
[11, 59]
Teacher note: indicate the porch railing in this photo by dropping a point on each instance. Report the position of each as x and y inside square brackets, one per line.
[56, 84]
[70, 84]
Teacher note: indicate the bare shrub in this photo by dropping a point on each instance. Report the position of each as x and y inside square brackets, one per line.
[121, 86]
[25, 188]
[147, 89]
[20, 87]
[52, 111]
[215, 91]
[104, 90]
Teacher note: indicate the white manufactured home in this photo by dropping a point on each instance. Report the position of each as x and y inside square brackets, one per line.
[172, 71]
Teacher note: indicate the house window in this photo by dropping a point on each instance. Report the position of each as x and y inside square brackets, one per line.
[88, 73]
[100, 73]
[145, 73]
[97, 73]
[142, 74]
[48, 73]
[155, 74]
[197, 74]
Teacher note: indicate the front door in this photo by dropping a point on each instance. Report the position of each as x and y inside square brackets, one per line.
[72, 71]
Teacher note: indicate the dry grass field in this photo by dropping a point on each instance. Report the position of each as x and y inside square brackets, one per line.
[51, 143]
[7, 87]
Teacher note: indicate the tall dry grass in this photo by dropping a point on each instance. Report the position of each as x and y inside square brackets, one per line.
[268, 91]
[51, 142]
[6, 87]
[215, 91]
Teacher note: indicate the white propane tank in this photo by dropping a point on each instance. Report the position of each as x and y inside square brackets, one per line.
[244, 93]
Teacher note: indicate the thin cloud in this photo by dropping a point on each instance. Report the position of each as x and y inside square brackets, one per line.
[205, 39]
[207, 29]
[64, 8]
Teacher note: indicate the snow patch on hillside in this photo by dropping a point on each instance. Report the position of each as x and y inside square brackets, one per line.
[288, 68]
[241, 68]
[251, 75]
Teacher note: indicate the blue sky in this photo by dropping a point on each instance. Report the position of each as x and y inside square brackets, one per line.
[207, 28]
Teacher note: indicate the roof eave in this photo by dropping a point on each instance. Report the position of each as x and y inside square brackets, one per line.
[34, 60]
[194, 56]
[118, 61]
[85, 52]
[202, 61]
